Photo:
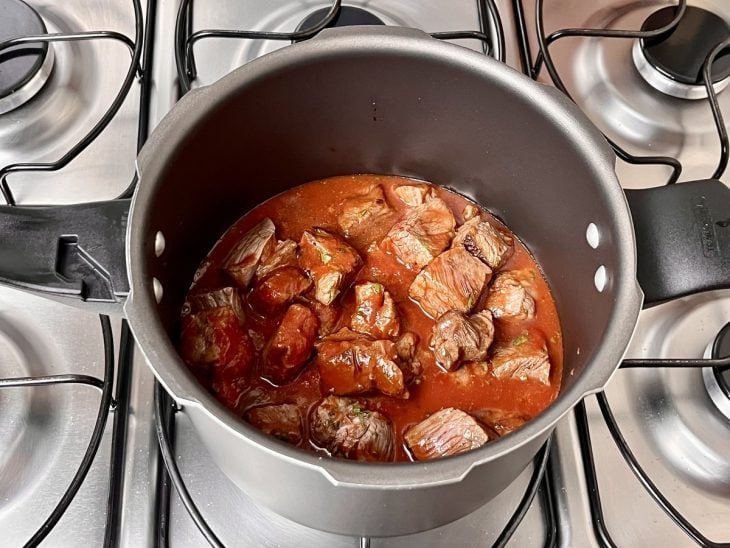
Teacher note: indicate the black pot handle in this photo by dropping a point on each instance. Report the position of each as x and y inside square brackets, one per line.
[683, 238]
[74, 251]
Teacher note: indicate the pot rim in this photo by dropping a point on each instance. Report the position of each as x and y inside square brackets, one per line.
[196, 105]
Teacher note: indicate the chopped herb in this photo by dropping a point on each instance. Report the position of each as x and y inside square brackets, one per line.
[364, 213]
[359, 411]
[470, 302]
[378, 288]
[522, 339]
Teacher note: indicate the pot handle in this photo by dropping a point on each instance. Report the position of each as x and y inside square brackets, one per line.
[682, 237]
[74, 252]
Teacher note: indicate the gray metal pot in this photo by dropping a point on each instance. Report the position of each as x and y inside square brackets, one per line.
[359, 100]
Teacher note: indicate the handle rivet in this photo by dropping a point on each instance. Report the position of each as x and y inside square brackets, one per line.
[159, 243]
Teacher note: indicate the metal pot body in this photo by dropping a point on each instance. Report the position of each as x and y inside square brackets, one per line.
[389, 101]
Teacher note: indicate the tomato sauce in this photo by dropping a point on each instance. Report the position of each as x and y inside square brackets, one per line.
[316, 204]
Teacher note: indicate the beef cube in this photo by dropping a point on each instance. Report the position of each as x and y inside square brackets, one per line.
[364, 218]
[405, 348]
[500, 423]
[508, 297]
[469, 373]
[284, 254]
[212, 329]
[524, 358]
[424, 232]
[278, 288]
[330, 260]
[283, 421]
[213, 342]
[375, 312]
[352, 364]
[414, 195]
[255, 246]
[291, 346]
[328, 315]
[345, 428]
[456, 338]
[453, 281]
[485, 242]
[446, 432]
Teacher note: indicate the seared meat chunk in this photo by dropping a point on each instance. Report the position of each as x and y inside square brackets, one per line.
[456, 338]
[508, 297]
[279, 288]
[352, 364]
[215, 344]
[290, 347]
[500, 423]
[283, 421]
[485, 242]
[375, 314]
[405, 348]
[414, 195]
[212, 331]
[453, 281]
[424, 232]
[524, 358]
[364, 218]
[284, 254]
[446, 432]
[330, 260]
[255, 246]
[347, 429]
[328, 315]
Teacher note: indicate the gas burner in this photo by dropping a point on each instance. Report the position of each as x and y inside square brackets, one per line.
[348, 16]
[673, 64]
[717, 381]
[26, 67]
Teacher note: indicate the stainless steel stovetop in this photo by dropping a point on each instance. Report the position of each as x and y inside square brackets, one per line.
[666, 416]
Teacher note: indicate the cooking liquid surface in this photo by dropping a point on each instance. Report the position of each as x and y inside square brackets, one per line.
[315, 204]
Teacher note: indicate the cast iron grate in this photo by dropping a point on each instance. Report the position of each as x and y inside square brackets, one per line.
[135, 69]
[545, 59]
[165, 408]
[717, 364]
[140, 50]
[185, 39]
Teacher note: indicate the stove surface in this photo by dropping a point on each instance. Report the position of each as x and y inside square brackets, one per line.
[46, 429]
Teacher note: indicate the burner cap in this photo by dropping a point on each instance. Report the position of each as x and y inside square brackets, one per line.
[348, 16]
[717, 381]
[26, 67]
[673, 63]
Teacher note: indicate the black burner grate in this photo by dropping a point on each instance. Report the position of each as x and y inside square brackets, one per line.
[135, 69]
[716, 363]
[119, 401]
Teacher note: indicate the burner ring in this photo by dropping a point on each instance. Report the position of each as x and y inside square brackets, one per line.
[24, 68]
[673, 63]
[717, 381]
[660, 82]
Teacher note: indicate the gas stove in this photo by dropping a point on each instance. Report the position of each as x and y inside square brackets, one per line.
[645, 463]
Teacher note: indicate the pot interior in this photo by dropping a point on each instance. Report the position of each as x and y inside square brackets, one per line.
[454, 119]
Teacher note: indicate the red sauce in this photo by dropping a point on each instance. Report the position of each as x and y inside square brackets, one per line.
[316, 204]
